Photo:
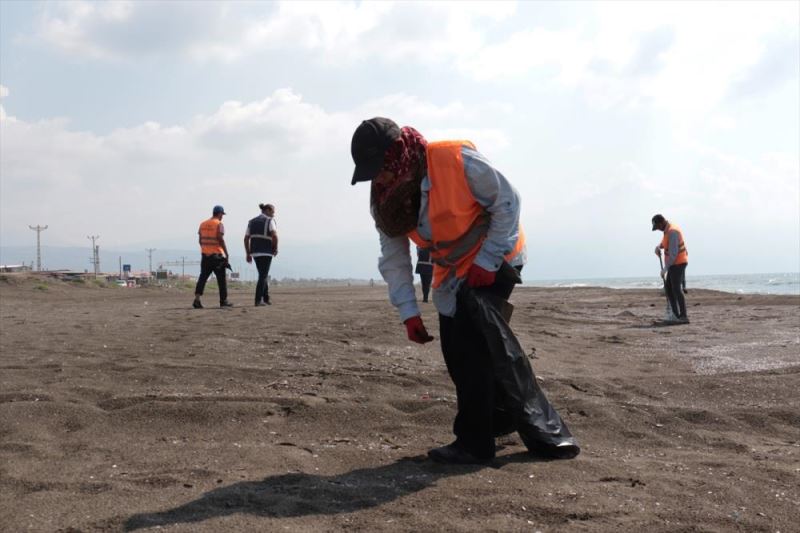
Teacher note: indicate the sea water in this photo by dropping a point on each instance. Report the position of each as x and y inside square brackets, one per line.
[776, 283]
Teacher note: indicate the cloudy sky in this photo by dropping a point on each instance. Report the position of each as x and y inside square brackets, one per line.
[132, 119]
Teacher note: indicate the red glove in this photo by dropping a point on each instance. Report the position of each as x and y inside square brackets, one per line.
[479, 277]
[416, 330]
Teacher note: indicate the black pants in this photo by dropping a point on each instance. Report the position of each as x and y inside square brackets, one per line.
[674, 288]
[470, 367]
[262, 286]
[425, 279]
[216, 264]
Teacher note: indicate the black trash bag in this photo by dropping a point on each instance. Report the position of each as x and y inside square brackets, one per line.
[539, 425]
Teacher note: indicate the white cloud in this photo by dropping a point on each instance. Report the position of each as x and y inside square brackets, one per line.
[157, 180]
[3, 93]
[340, 31]
[612, 110]
[617, 54]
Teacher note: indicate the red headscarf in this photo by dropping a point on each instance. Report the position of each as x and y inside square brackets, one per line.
[395, 204]
[402, 157]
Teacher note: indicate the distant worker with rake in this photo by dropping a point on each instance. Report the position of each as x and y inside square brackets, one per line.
[447, 198]
[673, 269]
[215, 257]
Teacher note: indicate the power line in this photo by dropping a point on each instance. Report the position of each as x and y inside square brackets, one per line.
[38, 229]
[150, 258]
[183, 262]
[95, 253]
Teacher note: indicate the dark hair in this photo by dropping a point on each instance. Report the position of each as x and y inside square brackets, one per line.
[264, 206]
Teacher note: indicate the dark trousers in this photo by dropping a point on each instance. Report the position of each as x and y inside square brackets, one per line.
[262, 286]
[216, 264]
[674, 288]
[480, 402]
[425, 279]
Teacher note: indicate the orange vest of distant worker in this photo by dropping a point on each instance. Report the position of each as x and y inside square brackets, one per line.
[458, 222]
[683, 255]
[209, 240]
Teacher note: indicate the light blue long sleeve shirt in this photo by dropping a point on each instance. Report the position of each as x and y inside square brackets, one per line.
[492, 191]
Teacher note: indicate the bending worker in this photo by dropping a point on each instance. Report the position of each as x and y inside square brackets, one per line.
[425, 271]
[674, 270]
[215, 257]
[447, 198]
[261, 244]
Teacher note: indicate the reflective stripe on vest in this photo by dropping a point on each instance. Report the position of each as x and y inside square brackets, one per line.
[683, 255]
[260, 235]
[459, 224]
[209, 240]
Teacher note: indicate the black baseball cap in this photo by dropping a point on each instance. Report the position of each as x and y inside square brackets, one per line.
[657, 219]
[370, 141]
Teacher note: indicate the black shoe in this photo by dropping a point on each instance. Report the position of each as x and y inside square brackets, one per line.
[197, 305]
[226, 303]
[267, 302]
[260, 304]
[455, 455]
[565, 450]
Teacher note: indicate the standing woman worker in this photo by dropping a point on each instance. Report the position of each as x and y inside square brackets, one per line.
[425, 271]
[261, 245]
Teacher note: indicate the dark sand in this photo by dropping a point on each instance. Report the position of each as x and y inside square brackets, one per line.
[125, 409]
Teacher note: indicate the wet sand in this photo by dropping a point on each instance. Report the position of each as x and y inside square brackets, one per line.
[125, 409]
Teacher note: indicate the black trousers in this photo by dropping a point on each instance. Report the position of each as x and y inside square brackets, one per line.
[468, 362]
[676, 279]
[496, 388]
[262, 286]
[425, 280]
[216, 264]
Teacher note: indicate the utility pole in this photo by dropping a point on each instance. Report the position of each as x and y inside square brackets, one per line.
[150, 258]
[95, 253]
[38, 229]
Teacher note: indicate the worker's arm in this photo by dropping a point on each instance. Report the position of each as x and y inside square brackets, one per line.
[273, 229]
[221, 239]
[672, 253]
[395, 267]
[248, 257]
[496, 194]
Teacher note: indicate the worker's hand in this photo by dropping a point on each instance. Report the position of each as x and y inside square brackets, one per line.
[416, 330]
[249, 258]
[275, 253]
[664, 273]
[658, 251]
[479, 277]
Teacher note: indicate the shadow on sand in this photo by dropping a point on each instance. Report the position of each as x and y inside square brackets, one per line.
[292, 495]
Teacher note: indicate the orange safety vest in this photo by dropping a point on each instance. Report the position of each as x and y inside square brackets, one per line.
[683, 255]
[209, 240]
[458, 222]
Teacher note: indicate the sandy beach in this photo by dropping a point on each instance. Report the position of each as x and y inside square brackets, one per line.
[126, 410]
